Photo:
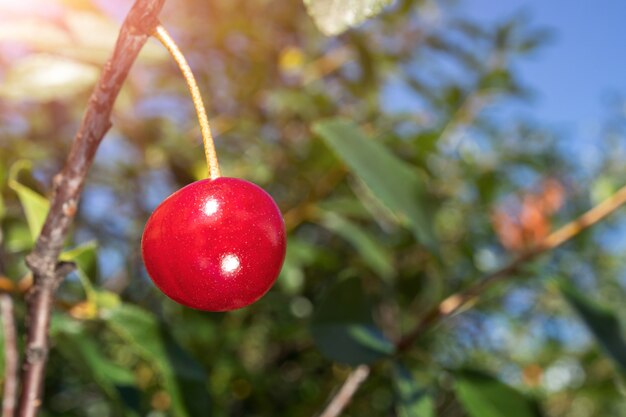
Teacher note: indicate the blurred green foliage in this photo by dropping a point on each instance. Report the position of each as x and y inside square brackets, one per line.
[386, 151]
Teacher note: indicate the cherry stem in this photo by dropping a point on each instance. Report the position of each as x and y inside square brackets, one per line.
[209, 147]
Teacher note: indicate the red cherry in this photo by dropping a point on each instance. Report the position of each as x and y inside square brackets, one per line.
[215, 245]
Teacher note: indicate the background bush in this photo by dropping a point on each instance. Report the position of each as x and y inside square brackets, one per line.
[400, 181]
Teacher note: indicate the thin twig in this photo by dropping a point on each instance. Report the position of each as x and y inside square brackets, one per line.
[11, 356]
[347, 391]
[456, 302]
[48, 272]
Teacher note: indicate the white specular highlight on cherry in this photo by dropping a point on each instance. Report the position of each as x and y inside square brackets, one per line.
[230, 263]
[210, 207]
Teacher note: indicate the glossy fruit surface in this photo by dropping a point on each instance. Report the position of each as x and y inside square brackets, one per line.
[215, 245]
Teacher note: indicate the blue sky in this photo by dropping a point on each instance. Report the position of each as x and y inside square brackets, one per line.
[583, 65]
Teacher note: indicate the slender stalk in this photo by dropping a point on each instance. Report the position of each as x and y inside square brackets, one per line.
[48, 272]
[456, 302]
[209, 147]
[11, 356]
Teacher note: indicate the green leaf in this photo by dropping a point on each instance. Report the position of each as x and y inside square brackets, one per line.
[372, 253]
[85, 354]
[601, 321]
[335, 16]
[345, 206]
[44, 77]
[413, 400]
[85, 257]
[396, 184]
[35, 205]
[17, 237]
[484, 396]
[106, 299]
[183, 378]
[343, 328]
[498, 79]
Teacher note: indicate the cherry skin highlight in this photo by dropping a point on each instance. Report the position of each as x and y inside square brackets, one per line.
[215, 245]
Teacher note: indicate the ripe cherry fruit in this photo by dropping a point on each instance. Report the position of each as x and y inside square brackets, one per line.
[215, 245]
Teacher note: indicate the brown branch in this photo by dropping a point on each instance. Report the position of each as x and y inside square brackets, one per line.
[456, 302]
[67, 187]
[347, 391]
[11, 357]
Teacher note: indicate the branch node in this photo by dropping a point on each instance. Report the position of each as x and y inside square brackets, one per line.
[57, 180]
[35, 354]
[40, 266]
[69, 207]
[63, 268]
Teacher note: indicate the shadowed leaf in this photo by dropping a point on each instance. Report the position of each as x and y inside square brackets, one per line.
[86, 355]
[602, 323]
[183, 377]
[396, 184]
[484, 396]
[412, 399]
[343, 328]
[372, 253]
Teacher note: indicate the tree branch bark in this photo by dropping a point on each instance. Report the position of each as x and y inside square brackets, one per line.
[11, 352]
[11, 357]
[48, 272]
